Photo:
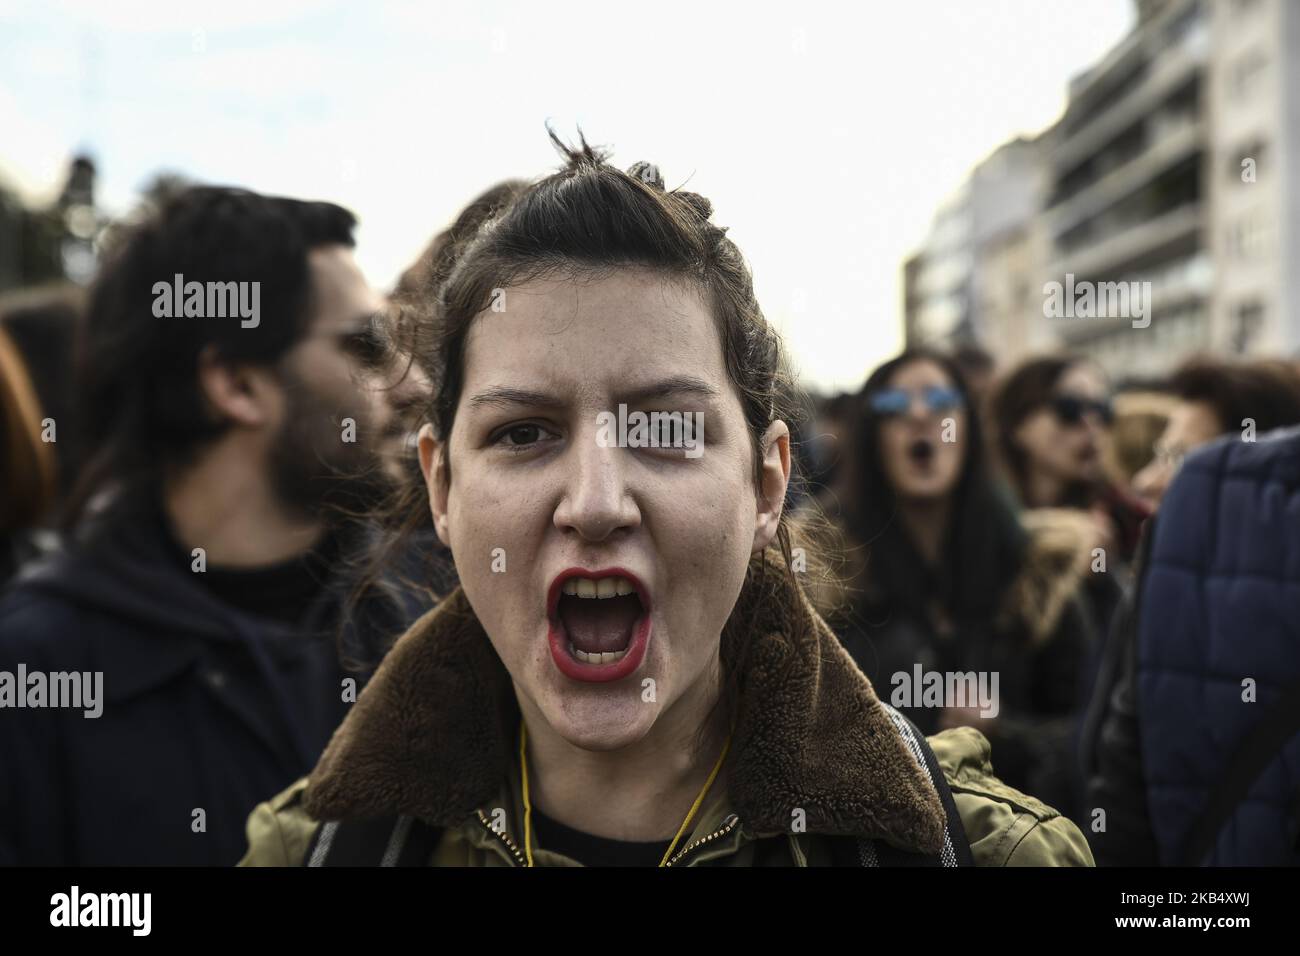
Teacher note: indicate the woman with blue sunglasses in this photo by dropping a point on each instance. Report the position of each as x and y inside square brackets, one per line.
[947, 580]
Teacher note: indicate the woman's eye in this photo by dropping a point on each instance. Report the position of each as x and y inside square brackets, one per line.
[678, 430]
[521, 436]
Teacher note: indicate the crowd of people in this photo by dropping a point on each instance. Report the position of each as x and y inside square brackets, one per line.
[321, 643]
[1021, 545]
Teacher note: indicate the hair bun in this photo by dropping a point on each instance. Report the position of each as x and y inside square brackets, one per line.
[648, 173]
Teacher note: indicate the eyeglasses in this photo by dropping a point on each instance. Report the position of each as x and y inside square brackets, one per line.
[364, 341]
[367, 345]
[1071, 409]
[889, 402]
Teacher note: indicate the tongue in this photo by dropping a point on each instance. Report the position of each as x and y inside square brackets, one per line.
[599, 625]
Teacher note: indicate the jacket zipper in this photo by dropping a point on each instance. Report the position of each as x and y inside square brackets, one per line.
[728, 825]
[515, 852]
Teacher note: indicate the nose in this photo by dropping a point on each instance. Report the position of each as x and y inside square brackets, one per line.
[598, 502]
[918, 409]
[1096, 427]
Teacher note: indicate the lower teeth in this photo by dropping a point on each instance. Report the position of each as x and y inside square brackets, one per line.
[597, 657]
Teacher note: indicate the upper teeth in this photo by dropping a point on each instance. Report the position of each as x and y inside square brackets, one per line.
[604, 588]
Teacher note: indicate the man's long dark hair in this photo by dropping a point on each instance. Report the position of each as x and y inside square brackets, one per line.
[984, 544]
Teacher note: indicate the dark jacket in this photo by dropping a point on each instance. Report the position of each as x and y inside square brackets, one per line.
[205, 708]
[1110, 751]
[1038, 645]
[22, 549]
[1218, 604]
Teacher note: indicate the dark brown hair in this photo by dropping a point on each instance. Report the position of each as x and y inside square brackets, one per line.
[590, 218]
[1025, 389]
[422, 278]
[1266, 391]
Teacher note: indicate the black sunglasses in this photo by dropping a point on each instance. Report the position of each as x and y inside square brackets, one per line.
[367, 344]
[1071, 409]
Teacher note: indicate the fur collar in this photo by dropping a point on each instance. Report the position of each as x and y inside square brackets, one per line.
[1058, 560]
[433, 733]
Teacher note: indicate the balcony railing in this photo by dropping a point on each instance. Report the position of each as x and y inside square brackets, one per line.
[1176, 144]
[1172, 69]
[1115, 252]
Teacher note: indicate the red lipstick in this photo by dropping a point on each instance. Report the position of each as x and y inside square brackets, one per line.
[558, 639]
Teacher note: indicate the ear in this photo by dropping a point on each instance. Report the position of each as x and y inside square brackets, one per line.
[774, 479]
[432, 466]
[235, 392]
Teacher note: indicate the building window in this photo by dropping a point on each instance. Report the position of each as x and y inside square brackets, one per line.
[1247, 320]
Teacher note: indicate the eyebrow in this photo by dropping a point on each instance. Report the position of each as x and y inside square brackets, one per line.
[503, 395]
[676, 385]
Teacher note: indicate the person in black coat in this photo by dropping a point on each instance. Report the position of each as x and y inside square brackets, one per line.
[193, 625]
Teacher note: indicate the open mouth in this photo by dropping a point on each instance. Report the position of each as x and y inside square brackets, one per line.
[599, 623]
[921, 452]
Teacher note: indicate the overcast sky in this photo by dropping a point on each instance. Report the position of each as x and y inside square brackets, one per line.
[826, 134]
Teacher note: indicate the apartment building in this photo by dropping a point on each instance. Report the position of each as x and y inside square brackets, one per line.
[1176, 164]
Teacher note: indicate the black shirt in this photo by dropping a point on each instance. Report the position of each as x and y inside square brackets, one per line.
[593, 850]
[278, 592]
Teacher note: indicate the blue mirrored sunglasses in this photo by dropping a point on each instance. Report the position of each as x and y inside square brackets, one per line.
[888, 402]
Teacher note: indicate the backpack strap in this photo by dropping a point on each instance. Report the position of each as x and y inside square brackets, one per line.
[956, 846]
[1261, 747]
[373, 841]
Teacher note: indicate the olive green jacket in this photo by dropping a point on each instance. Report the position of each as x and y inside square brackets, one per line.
[814, 754]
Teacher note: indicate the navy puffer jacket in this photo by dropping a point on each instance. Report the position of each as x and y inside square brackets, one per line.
[1221, 607]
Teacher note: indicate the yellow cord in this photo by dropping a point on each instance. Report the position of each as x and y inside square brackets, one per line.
[698, 800]
[528, 806]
